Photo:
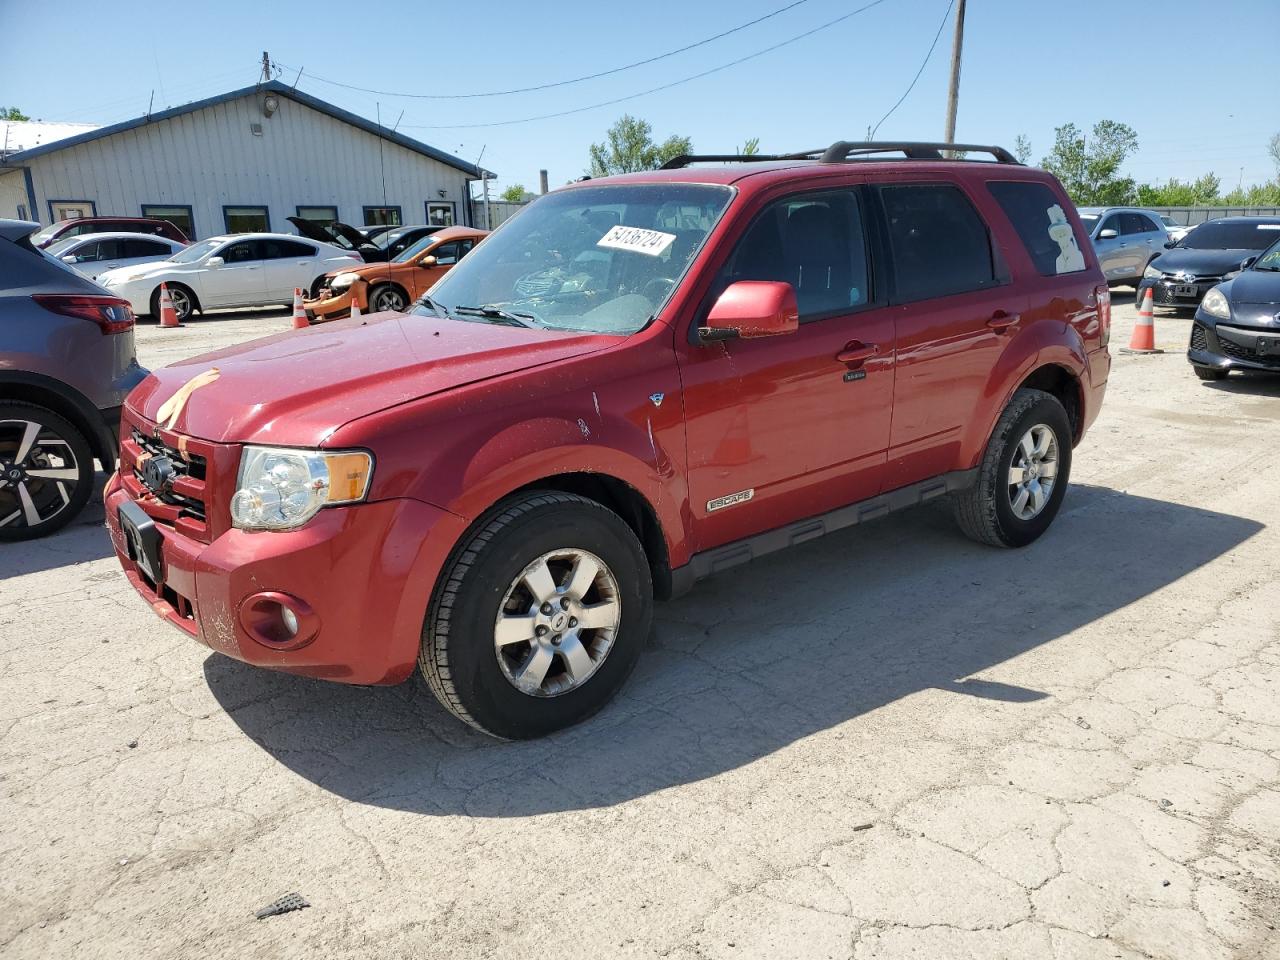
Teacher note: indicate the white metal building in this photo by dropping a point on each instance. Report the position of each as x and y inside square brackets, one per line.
[242, 161]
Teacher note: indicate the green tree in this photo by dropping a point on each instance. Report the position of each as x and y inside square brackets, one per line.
[514, 193]
[1022, 148]
[1255, 195]
[1089, 167]
[12, 113]
[1203, 191]
[629, 147]
[1273, 148]
[749, 149]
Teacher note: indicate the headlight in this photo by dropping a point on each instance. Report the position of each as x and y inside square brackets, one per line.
[343, 280]
[280, 488]
[1215, 304]
[1152, 273]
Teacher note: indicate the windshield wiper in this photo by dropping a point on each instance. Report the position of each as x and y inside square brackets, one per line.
[489, 312]
[439, 308]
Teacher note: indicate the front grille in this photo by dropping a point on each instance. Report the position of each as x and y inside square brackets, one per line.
[1241, 352]
[1198, 339]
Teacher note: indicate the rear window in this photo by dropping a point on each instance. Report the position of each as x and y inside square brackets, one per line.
[940, 244]
[1041, 225]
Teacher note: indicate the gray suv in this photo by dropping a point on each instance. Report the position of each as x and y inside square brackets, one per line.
[1125, 239]
[67, 361]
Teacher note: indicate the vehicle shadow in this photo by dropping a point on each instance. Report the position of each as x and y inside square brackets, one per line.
[82, 540]
[750, 662]
[1249, 383]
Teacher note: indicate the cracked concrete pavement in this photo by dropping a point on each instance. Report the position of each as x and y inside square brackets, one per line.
[889, 743]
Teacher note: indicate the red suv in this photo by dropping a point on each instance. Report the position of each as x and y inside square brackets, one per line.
[638, 382]
[65, 229]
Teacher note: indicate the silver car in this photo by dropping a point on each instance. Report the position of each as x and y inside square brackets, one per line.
[91, 254]
[67, 360]
[1125, 239]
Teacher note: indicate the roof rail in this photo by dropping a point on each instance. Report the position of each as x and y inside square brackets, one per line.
[913, 150]
[675, 163]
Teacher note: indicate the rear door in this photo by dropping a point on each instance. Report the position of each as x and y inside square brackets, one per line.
[784, 427]
[139, 250]
[1143, 239]
[288, 264]
[954, 303]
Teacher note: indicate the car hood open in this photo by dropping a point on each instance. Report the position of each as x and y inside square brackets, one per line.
[296, 388]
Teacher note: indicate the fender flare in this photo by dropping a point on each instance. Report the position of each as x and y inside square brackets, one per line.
[67, 401]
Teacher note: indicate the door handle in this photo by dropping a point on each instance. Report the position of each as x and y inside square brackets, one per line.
[857, 353]
[1001, 320]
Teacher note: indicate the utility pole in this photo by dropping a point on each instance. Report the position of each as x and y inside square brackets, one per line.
[266, 68]
[953, 94]
[542, 181]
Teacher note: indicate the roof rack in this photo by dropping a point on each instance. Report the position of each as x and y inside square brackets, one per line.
[913, 150]
[685, 159]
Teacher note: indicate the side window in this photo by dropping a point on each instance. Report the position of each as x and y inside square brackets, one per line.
[143, 248]
[446, 254]
[87, 253]
[1131, 223]
[464, 247]
[1111, 223]
[242, 252]
[1041, 225]
[939, 243]
[109, 249]
[816, 243]
[286, 249]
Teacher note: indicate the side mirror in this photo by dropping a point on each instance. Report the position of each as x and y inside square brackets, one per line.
[1107, 234]
[1170, 244]
[427, 262]
[751, 309]
[1247, 262]
[69, 258]
[214, 262]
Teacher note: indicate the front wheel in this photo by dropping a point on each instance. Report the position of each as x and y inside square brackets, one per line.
[46, 471]
[387, 297]
[183, 301]
[540, 618]
[1023, 474]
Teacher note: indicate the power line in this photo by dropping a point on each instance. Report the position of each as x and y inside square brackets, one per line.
[645, 93]
[563, 83]
[946, 16]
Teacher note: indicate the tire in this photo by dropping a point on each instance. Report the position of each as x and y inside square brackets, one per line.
[1209, 373]
[987, 511]
[51, 482]
[316, 284]
[484, 592]
[184, 302]
[387, 296]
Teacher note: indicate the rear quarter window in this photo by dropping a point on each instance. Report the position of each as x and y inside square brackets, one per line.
[1041, 224]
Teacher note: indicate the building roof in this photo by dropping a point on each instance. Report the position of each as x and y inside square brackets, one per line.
[273, 86]
[20, 135]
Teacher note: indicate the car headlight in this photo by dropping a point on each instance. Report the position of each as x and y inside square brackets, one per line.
[1215, 304]
[281, 488]
[1152, 273]
[343, 280]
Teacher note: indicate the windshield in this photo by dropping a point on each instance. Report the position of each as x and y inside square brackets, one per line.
[197, 251]
[384, 240]
[1230, 235]
[411, 251]
[1090, 221]
[1169, 222]
[600, 259]
[59, 247]
[1270, 259]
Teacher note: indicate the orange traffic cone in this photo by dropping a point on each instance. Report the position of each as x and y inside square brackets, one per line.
[355, 306]
[1144, 332]
[168, 316]
[300, 321]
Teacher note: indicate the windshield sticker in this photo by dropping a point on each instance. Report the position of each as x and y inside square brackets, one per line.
[1269, 226]
[650, 242]
[1070, 259]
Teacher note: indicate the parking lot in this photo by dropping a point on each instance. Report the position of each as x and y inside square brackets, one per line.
[891, 742]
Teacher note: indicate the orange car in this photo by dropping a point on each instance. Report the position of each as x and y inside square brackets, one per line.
[395, 285]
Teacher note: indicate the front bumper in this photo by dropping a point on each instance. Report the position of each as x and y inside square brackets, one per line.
[1223, 346]
[334, 306]
[366, 570]
[1162, 291]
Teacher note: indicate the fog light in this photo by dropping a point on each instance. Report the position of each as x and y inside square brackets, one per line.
[279, 621]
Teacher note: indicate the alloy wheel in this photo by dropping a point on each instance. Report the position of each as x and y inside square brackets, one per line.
[389, 300]
[557, 622]
[181, 303]
[1034, 472]
[38, 473]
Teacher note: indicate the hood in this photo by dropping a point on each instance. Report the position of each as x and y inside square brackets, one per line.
[336, 234]
[1257, 287]
[296, 388]
[1201, 263]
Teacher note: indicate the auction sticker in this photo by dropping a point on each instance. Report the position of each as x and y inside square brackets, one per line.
[638, 239]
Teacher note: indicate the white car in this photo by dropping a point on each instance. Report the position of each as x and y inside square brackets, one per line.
[238, 270]
[92, 254]
[1176, 230]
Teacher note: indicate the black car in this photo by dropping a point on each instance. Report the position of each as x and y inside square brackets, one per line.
[1237, 326]
[374, 244]
[1214, 251]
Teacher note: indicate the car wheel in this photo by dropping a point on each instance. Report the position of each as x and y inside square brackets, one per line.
[386, 297]
[1023, 474]
[46, 471]
[1209, 373]
[540, 617]
[183, 301]
[316, 285]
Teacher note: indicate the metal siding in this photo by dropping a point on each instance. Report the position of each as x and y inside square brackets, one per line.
[209, 158]
[13, 191]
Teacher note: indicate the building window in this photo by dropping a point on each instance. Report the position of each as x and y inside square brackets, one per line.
[180, 216]
[246, 219]
[440, 213]
[72, 209]
[325, 215]
[382, 217]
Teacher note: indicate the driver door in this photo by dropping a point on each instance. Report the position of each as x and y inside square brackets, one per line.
[447, 254]
[240, 281]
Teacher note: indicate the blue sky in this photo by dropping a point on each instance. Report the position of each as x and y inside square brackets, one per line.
[1028, 67]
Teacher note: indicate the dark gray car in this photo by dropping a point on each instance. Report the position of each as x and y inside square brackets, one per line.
[67, 361]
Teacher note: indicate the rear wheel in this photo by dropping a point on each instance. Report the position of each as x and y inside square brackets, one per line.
[540, 618]
[46, 471]
[1209, 373]
[387, 296]
[1023, 474]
